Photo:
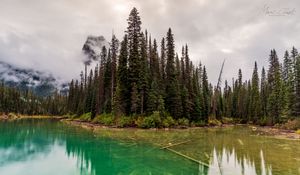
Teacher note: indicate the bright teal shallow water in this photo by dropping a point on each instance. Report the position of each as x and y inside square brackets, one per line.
[48, 147]
[39, 147]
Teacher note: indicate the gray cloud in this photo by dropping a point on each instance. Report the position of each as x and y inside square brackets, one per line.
[48, 35]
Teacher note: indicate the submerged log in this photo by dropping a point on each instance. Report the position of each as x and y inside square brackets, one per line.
[187, 157]
[171, 145]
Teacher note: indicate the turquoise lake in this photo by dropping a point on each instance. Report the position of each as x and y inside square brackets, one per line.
[48, 147]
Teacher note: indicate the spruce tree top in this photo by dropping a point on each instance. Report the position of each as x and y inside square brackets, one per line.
[134, 24]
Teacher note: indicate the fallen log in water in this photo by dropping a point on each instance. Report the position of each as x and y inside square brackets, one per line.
[170, 144]
[187, 157]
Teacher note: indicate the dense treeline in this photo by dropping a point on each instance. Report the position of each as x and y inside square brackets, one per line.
[13, 100]
[143, 77]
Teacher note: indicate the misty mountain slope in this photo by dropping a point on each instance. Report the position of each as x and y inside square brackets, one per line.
[92, 48]
[41, 83]
[44, 83]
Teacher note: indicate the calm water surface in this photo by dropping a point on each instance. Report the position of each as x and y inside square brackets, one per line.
[48, 147]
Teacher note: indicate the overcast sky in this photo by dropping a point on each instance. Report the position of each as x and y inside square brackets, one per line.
[49, 34]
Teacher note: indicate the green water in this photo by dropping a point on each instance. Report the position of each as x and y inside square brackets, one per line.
[48, 147]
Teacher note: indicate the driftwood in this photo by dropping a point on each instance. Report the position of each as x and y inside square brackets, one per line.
[171, 145]
[168, 147]
[187, 157]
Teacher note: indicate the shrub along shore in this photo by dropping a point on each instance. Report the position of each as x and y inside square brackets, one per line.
[289, 130]
[145, 122]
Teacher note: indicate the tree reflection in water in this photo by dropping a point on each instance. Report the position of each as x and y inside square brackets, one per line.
[51, 147]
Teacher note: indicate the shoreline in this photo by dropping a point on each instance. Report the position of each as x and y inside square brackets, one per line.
[269, 131]
[278, 133]
[12, 117]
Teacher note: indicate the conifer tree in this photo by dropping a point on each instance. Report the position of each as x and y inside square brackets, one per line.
[80, 109]
[163, 59]
[76, 98]
[143, 75]
[188, 69]
[89, 93]
[263, 93]
[274, 88]
[95, 84]
[287, 75]
[182, 80]
[135, 58]
[107, 83]
[255, 99]
[227, 96]
[247, 102]
[114, 53]
[287, 67]
[188, 81]
[155, 58]
[122, 93]
[177, 67]
[294, 55]
[71, 96]
[234, 108]
[184, 90]
[206, 100]
[240, 95]
[173, 101]
[293, 93]
[296, 106]
[196, 112]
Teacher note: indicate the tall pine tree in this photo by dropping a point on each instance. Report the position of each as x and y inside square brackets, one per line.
[173, 101]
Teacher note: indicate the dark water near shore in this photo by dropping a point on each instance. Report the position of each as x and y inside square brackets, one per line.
[48, 147]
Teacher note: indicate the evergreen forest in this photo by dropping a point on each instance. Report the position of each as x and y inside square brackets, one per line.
[141, 81]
